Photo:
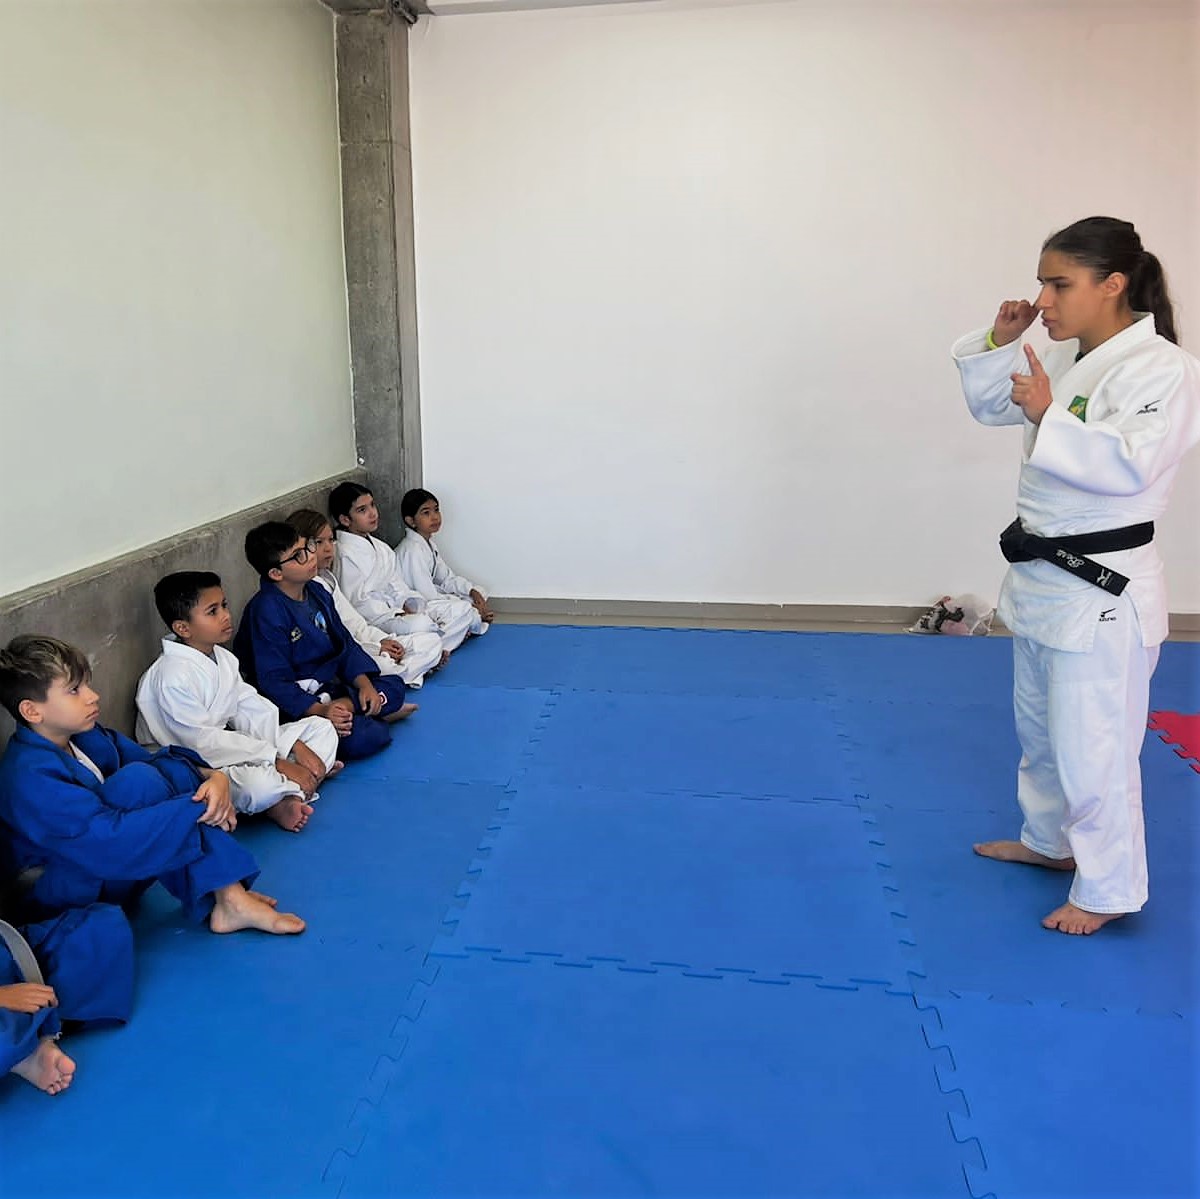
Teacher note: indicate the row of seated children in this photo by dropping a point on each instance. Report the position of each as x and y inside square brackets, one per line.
[89, 819]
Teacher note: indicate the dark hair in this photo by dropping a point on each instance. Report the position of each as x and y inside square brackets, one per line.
[413, 500]
[308, 522]
[342, 497]
[29, 665]
[1109, 246]
[175, 595]
[266, 544]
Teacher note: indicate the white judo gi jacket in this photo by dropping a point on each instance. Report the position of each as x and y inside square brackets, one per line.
[367, 571]
[189, 699]
[427, 572]
[1104, 456]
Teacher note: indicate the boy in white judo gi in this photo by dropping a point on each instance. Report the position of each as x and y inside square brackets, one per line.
[194, 696]
[370, 575]
[1105, 423]
[411, 655]
[422, 565]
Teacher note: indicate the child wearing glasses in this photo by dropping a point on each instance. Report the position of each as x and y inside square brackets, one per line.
[293, 647]
[194, 696]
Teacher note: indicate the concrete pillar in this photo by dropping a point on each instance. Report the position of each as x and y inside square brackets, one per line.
[377, 216]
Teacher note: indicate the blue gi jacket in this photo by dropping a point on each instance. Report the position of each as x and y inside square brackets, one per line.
[280, 641]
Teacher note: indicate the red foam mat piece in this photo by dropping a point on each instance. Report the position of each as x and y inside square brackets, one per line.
[1182, 731]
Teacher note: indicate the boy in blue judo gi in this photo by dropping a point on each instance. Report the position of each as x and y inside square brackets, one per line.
[76, 969]
[293, 647]
[88, 816]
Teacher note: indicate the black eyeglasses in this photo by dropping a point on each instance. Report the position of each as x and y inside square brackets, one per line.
[300, 556]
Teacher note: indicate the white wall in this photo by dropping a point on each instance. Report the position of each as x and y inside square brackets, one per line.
[688, 276]
[173, 342]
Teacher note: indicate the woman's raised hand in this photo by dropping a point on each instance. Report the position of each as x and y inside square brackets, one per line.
[1014, 317]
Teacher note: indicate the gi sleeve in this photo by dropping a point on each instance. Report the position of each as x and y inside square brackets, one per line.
[372, 605]
[986, 378]
[132, 828]
[186, 721]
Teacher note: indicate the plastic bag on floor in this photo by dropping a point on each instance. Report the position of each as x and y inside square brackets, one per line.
[961, 616]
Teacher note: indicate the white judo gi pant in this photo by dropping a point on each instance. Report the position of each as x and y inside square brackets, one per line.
[422, 652]
[455, 619]
[255, 787]
[1081, 721]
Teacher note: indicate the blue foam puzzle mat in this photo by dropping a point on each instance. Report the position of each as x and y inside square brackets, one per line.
[555, 789]
[513, 656]
[924, 755]
[534, 1079]
[1067, 1102]
[911, 668]
[707, 883]
[1176, 682]
[708, 744]
[722, 662]
[461, 734]
[976, 922]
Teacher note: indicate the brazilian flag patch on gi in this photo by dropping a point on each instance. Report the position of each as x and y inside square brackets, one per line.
[1078, 407]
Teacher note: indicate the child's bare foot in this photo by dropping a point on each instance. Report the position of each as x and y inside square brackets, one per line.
[335, 770]
[1070, 919]
[236, 908]
[443, 660]
[47, 1067]
[406, 710]
[291, 812]
[1015, 851]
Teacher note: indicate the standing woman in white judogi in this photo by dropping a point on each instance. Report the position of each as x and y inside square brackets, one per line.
[411, 656]
[370, 576]
[1106, 421]
[429, 574]
[194, 696]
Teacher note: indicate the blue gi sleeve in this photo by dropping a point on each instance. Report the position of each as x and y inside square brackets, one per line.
[130, 827]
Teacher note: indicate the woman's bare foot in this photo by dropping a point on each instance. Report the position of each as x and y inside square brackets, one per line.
[406, 710]
[47, 1067]
[1070, 919]
[291, 812]
[1014, 851]
[235, 908]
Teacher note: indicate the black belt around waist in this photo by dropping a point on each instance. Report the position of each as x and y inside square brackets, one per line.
[1068, 553]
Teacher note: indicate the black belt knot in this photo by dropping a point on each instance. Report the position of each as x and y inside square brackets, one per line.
[1069, 553]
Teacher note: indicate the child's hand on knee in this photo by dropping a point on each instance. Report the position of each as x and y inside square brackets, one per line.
[309, 760]
[305, 780]
[213, 793]
[370, 699]
[393, 649]
[339, 713]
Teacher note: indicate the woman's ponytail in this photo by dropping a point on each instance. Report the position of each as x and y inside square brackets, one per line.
[1148, 293]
